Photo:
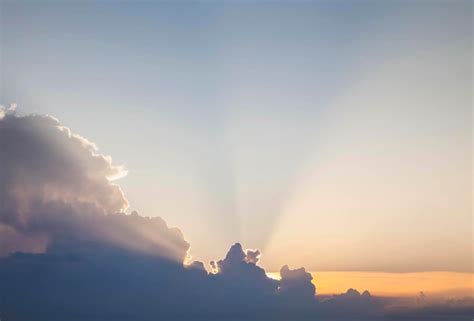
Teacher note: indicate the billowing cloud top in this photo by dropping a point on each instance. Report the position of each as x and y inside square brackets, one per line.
[56, 189]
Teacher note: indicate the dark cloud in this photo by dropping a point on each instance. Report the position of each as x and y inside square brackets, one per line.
[252, 256]
[70, 252]
[353, 301]
[296, 286]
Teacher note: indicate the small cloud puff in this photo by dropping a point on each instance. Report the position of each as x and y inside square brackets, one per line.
[252, 256]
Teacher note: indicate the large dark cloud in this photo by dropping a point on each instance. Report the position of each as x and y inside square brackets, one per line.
[70, 252]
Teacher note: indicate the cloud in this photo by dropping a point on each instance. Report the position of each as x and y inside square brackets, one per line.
[296, 285]
[56, 189]
[236, 270]
[252, 256]
[353, 301]
[70, 252]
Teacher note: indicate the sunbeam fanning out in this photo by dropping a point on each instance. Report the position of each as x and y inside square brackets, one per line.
[58, 202]
[393, 174]
[258, 122]
[272, 160]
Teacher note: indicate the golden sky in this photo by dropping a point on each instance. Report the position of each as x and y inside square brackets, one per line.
[337, 142]
[432, 284]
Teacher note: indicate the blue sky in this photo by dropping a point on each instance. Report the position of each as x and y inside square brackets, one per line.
[326, 130]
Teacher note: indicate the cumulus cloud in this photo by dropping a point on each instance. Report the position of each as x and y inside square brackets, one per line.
[296, 285]
[236, 270]
[56, 189]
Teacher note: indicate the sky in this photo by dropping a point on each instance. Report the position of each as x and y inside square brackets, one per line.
[334, 135]
[68, 251]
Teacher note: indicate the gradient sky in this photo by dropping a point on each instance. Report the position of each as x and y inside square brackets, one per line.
[334, 135]
[434, 284]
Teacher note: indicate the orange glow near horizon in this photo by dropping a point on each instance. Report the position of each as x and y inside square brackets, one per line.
[446, 284]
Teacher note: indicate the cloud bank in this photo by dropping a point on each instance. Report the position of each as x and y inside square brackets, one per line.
[69, 251]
